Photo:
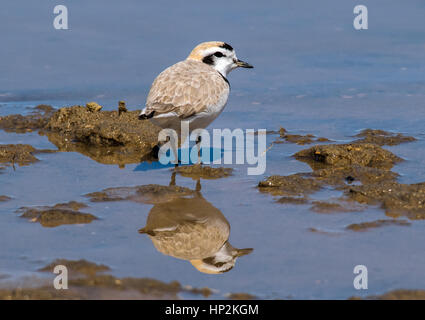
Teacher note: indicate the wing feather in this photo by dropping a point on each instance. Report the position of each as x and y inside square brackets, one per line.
[184, 89]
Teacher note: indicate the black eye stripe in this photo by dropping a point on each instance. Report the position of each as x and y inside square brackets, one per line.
[218, 54]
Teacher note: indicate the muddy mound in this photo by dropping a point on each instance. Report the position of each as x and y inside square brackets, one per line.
[362, 170]
[331, 207]
[343, 155]
[364, 226]
[22, 154]
[381, 137]
[60, 214]
[395, 198]
[294, 185]
[36, 120]
[104, 128]
[109, 137]
[299, 139]
[203, 172]
[400, 294]
[4, 198]
[88, 281]
[123, 136]
[151, 194]
[81, 267]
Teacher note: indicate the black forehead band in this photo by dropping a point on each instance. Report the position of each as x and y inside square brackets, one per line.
[226, 46]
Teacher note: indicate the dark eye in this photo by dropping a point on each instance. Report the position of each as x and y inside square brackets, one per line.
[218, 54]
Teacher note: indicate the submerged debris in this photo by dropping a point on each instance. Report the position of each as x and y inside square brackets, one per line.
[364, 226]
[331, 207]
[60, 214]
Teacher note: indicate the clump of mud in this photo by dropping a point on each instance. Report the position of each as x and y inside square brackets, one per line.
[344, 155]
[395, 198]
[4, 198]
[241, 296]
[297, 138]
[197, 171]
[298, 184]
[381, 137]
[88, 281]
[362, 169]
[22, 154]
[36, 120]
[79, 267]
[331, 207]
[60, 214]
[400, 294]
[105, 136]
[109, 137]
[151, 194]
[364, 226]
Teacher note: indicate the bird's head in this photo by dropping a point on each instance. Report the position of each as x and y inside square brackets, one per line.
[222, 261]
[219, 55]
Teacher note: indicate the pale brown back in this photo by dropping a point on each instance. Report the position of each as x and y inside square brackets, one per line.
[186, 88]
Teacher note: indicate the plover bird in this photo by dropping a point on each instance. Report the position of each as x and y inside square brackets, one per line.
[194, 90]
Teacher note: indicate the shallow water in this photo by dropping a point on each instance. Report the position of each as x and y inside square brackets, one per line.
[313, 74]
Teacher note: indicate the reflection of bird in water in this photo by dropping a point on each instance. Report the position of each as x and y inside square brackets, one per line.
[191, 228]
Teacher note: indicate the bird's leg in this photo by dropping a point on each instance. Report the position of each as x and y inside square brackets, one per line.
[198, 145]
[198, 185]
[173, 179]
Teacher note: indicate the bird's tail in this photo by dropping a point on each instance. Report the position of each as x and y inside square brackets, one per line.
[146, 115]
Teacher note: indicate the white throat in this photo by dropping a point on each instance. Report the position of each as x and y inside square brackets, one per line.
[224, 67]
